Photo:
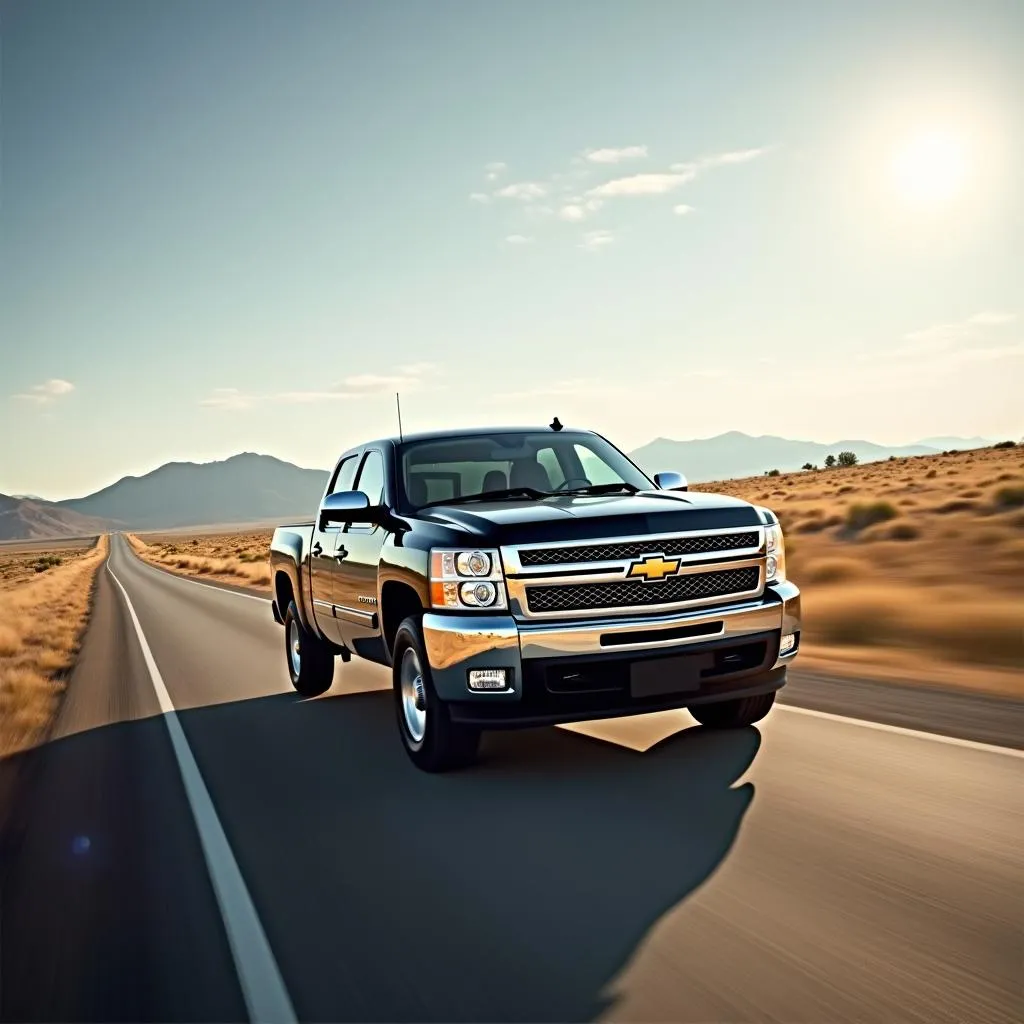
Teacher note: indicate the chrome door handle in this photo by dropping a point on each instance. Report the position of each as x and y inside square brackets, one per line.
[317, 549]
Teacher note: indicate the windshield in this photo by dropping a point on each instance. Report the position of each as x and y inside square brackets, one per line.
[528, 464]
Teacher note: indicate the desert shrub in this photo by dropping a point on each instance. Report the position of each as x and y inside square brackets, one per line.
[956, 505]
[1005, 444]
[815, 524]
[832, 570]
[807, 465]
[931, 474]
[986, 538]
[830, 461]
[1009, 497]
[772, 472]
[971, 494]
[1002, 478]
[845, 489]
[904, 531]
[847, 459]
[859, 517]
[195, 543]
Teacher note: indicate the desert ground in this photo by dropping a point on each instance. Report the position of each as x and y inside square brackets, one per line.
[240, 558]
[911, 569]
[44, 606]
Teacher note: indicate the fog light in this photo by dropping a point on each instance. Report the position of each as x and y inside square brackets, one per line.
[488, 678]
[788, 643]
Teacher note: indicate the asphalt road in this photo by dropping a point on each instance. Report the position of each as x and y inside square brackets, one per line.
[197, 843]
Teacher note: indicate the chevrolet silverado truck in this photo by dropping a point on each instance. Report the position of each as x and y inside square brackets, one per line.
[520, 577]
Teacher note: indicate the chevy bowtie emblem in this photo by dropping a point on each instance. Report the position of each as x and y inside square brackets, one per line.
[654, 567]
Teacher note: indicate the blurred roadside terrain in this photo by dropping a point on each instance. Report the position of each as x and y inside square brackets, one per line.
[911, 568]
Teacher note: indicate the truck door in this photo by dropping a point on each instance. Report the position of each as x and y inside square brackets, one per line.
[323, 563]
[355, 595]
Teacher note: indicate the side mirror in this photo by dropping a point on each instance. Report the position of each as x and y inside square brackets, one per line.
[348, 507]
[670, 481]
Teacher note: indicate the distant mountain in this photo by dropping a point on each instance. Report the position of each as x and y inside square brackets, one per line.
[243, 488]
[736, 455]
[961, 444]
[34, 519]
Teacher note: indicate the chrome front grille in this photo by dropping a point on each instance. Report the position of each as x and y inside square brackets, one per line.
[694, 544]
[608, 577]
[696, 586]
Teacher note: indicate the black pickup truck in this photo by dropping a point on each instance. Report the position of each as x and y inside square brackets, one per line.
[518, 577]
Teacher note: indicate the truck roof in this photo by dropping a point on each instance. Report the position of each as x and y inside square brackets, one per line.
[438, 435]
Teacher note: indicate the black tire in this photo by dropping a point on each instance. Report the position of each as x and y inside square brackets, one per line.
[440, 744]
[310, 661]
[733, 714]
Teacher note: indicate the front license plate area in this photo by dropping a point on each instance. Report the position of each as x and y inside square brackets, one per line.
[661, 676]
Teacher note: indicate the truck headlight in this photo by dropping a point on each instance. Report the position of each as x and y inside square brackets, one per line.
[466, 579]
[775, 563]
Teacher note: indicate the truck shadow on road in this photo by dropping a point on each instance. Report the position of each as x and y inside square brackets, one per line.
[516, 890]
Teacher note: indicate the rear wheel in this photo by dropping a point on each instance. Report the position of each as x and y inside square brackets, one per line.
[432, 740]
[310, 660]
[733, 714]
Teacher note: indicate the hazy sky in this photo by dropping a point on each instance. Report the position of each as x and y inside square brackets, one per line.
[236, 226]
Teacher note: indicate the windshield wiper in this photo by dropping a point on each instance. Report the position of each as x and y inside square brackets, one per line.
[499, 495]
[602, 489]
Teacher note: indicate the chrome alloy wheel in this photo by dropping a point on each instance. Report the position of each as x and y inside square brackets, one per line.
[413, 695]
[295, 648]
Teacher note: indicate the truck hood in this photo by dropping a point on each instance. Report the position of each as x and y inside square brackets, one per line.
[577, 517]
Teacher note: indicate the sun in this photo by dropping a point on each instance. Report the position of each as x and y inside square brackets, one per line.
[930, 168]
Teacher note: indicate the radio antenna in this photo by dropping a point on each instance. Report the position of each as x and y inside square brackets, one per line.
[398, 404]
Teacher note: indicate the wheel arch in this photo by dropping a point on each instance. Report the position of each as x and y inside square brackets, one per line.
[398, 601]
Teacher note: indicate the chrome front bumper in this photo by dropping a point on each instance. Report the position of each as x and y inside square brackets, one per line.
[457, 643]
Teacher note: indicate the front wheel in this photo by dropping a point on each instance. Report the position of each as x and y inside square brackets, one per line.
[310, 660]
[733, 714]
[432, 740]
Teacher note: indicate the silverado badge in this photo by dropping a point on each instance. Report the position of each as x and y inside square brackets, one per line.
[654, 567]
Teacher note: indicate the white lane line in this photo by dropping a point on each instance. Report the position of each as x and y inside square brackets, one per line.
[899, 730]
[259, 977]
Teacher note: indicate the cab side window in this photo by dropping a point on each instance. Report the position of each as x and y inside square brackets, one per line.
[371, 477]
[345, 476]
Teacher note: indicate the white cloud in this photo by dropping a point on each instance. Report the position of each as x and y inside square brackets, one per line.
[47, 392]
[595, 240]
[518, 239]
[992, 319]
[681, 209]
[572, 212]
[493, 170]
[526, 191]
[736, 156]
[479, 197]
[658, 183]
[943, 335]
[411, 377]
[641, 185]
[610, 155]
[229, 398]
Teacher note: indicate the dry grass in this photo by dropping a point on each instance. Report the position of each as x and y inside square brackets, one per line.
[911, 568]
[239, 558]
[44, 605]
